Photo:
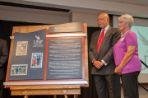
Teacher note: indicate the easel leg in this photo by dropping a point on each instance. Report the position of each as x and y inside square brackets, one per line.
[65, 96]
[75, 96]
[25, 96]
[54, 96]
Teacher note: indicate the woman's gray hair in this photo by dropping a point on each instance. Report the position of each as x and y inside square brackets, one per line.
[128, 19]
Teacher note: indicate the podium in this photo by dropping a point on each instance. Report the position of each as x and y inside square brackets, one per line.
[48, 60]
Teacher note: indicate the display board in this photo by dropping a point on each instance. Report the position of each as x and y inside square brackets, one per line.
[27, 56]
[51, 54]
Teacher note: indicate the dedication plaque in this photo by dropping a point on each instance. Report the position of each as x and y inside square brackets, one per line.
[64, 58]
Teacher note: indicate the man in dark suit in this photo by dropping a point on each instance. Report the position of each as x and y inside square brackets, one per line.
[101, 55]
[3, 59]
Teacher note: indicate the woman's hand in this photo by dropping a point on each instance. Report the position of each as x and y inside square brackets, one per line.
[118, 70]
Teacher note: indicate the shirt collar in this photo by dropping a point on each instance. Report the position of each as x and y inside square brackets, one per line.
[106, 28]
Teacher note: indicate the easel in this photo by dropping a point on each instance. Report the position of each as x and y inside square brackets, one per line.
[27, 91]
[62, 87]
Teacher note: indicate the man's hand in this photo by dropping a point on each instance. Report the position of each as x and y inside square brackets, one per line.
[98, 64]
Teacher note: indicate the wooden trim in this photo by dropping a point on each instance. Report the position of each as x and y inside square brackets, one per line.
[86, 78]
[45, 58]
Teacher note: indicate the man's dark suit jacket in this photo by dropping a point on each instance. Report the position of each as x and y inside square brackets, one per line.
[3, 58]
[106, 51]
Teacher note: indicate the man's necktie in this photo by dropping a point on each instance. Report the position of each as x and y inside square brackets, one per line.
[100, 40]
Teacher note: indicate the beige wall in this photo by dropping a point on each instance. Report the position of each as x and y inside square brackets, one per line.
[87, 17]
[82, 10]
[33, 15]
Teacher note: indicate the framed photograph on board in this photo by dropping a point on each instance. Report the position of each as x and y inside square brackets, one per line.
[21, 48]
[19, 69]
[36, 60]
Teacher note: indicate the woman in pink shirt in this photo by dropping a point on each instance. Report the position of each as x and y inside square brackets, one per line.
[126, 57]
